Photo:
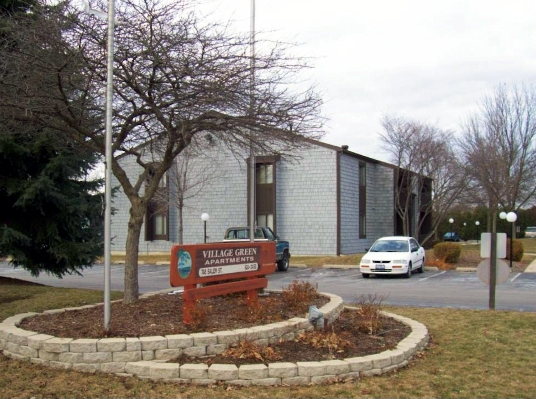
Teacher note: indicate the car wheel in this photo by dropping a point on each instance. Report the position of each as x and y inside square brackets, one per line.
[282, 265]
[408, 273]
[365, 275]
[421, 269]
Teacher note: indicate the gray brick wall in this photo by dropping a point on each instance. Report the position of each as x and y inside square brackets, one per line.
[380, 197]
[306, 195]
[307, 202]
[350, 242]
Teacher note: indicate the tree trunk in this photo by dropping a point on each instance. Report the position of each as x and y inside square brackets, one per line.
[131, 286]
[181, 227]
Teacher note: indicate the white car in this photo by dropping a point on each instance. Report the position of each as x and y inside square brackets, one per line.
[530, 232]
[393, 255]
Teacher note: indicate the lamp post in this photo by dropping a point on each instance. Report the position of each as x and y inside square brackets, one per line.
[477, 223]
[511, 217]
[451, 221]
[204, 218]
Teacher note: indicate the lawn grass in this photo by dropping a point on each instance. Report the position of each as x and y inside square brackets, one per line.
[473, 354]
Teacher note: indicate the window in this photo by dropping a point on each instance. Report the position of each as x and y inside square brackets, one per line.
[163, 181]
[266, 220]
[160, 225]
[265, 174]
[362, 175]
[265, 191]
[156, 219]
[362, 226]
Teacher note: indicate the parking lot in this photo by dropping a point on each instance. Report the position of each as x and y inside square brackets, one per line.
[430, 289]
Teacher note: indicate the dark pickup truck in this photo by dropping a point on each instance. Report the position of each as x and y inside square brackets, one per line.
[282, 247]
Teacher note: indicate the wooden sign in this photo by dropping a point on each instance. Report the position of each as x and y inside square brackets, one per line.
[193, 265]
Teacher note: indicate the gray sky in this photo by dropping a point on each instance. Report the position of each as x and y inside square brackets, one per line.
[429, 60]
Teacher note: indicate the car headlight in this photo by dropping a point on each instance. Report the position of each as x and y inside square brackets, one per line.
[401, 261]
[367, 261]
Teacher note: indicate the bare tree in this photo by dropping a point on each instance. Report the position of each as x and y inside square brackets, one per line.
[188, 176]
[174, 78]
[424, 157]
[499, 147]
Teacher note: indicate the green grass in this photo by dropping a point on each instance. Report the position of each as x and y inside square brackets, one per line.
[529, 245]
[473, 354]
[15, 298]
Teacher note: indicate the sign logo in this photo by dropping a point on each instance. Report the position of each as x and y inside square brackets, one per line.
[184, 263]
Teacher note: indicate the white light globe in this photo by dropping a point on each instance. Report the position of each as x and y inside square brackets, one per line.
[511, 217]
[204, 217]
[451, 220]
[502, 215]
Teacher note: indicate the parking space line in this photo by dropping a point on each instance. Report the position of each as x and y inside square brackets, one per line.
[432, 276]
[516, 276]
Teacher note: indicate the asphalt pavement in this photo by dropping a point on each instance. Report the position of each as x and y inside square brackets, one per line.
[433, 288]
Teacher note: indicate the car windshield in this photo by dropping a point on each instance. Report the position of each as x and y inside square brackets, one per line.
[390, 246]
[242, 234]
[531, 229]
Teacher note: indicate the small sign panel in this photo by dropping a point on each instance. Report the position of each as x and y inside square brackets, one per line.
[485, 246]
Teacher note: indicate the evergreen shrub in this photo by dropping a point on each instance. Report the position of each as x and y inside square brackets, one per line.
[517, 250]
[448, 252]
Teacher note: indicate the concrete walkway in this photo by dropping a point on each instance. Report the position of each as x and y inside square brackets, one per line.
[532, 267]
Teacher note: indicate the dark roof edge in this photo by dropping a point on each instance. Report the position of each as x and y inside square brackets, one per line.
[350, 153]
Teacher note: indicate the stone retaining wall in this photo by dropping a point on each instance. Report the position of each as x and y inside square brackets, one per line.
[146, 356]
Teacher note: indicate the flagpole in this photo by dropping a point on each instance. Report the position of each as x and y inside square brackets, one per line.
[252, 169]
[108, 163]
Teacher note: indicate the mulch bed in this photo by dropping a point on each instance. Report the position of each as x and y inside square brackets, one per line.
[161, 315]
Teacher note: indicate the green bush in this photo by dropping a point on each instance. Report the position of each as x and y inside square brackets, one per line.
[447, 252]
[430, 243]
[517, 250]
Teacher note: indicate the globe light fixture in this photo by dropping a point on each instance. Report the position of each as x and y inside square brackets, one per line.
[204, 218]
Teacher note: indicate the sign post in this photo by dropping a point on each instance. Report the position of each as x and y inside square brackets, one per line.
[193, 265]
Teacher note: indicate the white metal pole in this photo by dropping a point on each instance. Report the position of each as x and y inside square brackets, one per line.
[108, 163]
[252, 169]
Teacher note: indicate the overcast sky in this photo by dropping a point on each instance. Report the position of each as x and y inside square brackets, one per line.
[428, 60]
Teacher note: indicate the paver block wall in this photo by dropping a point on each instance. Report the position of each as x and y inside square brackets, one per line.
[144, 357]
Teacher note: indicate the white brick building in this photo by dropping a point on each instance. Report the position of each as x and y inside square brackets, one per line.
[326, 201]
